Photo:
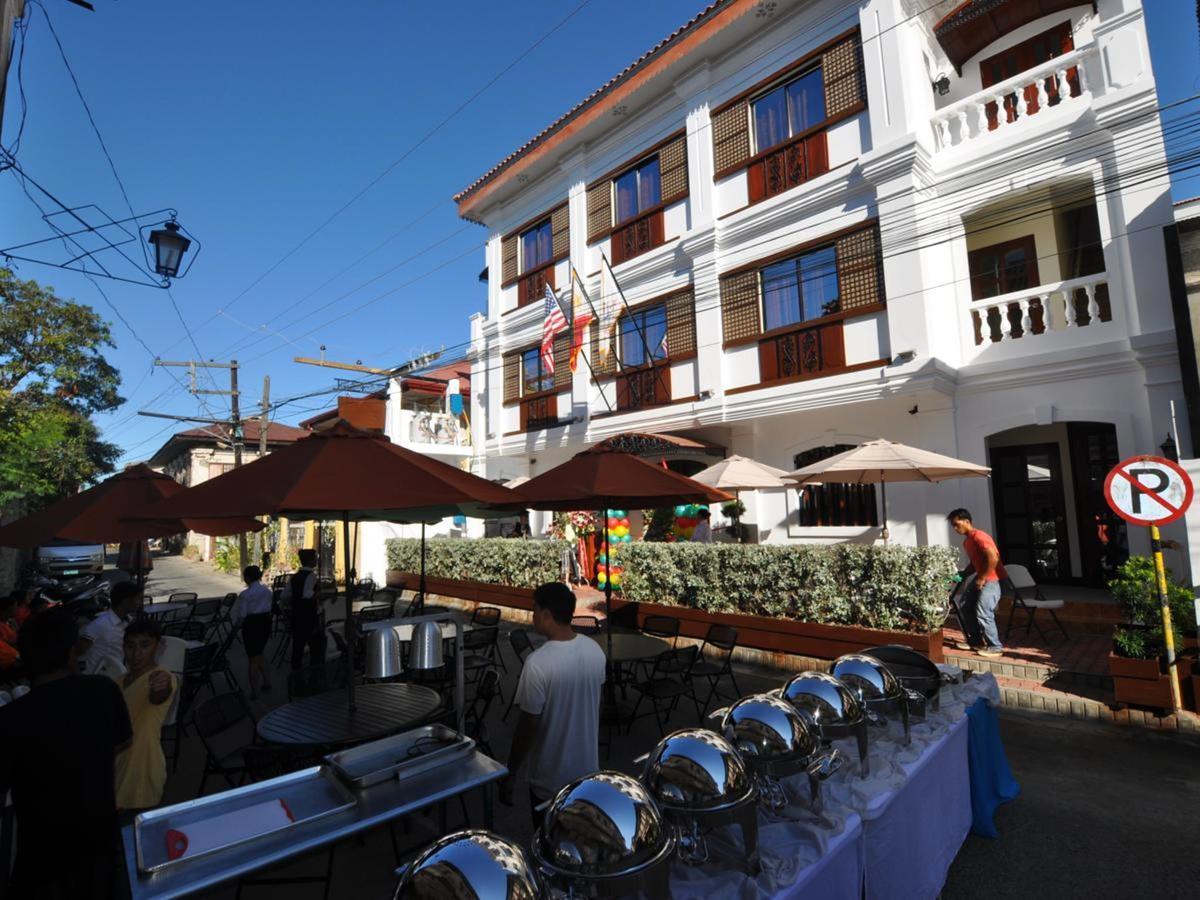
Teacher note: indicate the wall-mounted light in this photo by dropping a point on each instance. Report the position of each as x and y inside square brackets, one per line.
[904, 356]
[1169, 448]
[941, 85]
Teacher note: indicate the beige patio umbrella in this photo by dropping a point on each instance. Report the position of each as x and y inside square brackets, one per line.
[740, 473]
[880, 462]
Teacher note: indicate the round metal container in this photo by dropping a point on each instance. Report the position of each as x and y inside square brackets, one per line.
[603, 835]
[769, 734]
[697, 770]
[471, 865]
[825, 699]
[867, 677]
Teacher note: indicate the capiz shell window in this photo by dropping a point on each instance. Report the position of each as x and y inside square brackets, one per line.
[789, 110]
[637, 190]
[799, 289]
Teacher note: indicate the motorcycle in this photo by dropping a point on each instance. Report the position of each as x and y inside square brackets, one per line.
[86, 595]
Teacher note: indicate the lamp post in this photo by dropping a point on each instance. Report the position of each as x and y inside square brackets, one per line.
[169, 247]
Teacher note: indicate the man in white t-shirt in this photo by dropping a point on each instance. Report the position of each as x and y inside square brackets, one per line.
[103, 639]
[558, 734]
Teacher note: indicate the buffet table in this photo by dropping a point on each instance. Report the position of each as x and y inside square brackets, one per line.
[891, 835]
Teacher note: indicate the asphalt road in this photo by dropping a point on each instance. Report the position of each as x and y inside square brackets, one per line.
[1103, 812]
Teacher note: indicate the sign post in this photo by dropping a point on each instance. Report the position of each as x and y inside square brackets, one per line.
[1152, 491]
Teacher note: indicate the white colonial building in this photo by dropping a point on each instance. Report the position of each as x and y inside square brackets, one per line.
[934, 223]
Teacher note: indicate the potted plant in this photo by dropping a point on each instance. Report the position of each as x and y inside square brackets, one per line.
[734, 510]
[1137, 661]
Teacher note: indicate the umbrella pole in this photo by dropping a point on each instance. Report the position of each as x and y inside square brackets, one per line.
[883, 492]
[607, 584]
[421, 595]
[348, 624]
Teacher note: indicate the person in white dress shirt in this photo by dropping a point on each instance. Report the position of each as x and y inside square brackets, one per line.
[253, 612]
[103, 639]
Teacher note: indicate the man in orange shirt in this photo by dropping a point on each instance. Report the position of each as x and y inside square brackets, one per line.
[983, 593]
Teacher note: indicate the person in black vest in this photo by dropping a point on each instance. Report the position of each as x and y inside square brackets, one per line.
[306, 623]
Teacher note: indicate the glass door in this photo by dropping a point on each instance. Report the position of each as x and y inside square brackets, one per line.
[1030, 510]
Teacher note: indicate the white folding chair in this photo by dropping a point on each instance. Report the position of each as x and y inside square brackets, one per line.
[1027, 595]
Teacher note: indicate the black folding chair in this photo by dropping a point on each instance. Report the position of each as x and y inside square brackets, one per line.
[481, 650]
[668, 681]
[183, 597]
[474, 718]
[522, 647]
[485, 616]
[666, 627]
[715, 660]
[213, 718]
[379, 612]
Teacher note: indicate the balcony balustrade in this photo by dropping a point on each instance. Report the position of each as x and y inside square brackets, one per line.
[1041, 310]
[1006, 105]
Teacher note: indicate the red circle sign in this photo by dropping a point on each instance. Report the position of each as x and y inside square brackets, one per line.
[1148, 490]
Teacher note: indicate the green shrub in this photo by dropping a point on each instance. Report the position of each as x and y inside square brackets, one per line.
[516, 563]
[894, 588]
[1136, 591]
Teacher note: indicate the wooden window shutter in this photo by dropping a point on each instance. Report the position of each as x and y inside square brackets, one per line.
[562, 360]
[512, 376]
[731, 136]
[508, 258]
[560, 232]
[842, 70]
[740, 313]
[599, 210]
[672, 170]
[860, 268]
[603, 367]
[681, 324]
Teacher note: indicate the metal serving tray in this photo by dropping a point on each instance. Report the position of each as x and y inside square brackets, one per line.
[309, 794]
[400, 756]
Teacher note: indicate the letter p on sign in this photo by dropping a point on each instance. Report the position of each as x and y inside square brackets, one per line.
[1148, 490]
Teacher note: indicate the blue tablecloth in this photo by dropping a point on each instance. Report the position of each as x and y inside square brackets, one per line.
[992, 781]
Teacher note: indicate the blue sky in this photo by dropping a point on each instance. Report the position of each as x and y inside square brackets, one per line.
[257, 121]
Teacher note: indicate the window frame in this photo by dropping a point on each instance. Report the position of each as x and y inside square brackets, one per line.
[795, 261]
[815, 67]
[543, 375]
[1026, 242]
[636, 170]
[847, 496]
[643, 311]
[522, 267]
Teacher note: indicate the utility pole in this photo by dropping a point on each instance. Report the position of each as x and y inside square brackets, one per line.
[234, 424]
[262, 452]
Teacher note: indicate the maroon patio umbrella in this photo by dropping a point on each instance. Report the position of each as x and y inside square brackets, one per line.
[344, 473]
[98, 515]
[604, 478]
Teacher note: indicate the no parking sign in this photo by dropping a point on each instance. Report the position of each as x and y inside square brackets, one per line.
[1148, 490]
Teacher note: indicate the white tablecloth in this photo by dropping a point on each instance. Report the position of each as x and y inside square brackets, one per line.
[891, 835]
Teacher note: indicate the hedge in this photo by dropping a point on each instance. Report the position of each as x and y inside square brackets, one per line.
[516, 563]
[892, 588]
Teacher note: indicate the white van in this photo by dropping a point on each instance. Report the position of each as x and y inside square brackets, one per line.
[66, 559]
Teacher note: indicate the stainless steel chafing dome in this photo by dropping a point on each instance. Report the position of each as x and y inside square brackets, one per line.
[696, 769]
[826, 699]
[765, 728]
[471, 865]
[604, 824]
[867, 677]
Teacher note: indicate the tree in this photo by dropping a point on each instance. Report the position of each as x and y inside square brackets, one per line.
[53, 377]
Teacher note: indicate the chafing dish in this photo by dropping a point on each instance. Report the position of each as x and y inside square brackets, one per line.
[775, 741]
[471, 865]
[400, 756]
[913, 670]
[604, 836]
[877, 689]
[700, 782]
[832, 708]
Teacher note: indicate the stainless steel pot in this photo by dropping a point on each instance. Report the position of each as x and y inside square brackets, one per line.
[700, 782]
[832, 708]
[876, 688]
[471, 865]
[914, 671]
[775, 741]
[604, 836]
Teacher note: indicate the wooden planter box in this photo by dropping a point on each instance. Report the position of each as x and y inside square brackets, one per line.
[757, 632]
[1141, 682]
[783, 635]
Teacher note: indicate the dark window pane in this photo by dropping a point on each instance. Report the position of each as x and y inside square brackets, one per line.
[806, 101]
[1016, 270]
[781, 295]
[536, 246]
[656, 332]
[631, 342]
[819, 283]
[770, 119]
[535, 381]
[644, 336]
[627, 196]
[649, 189]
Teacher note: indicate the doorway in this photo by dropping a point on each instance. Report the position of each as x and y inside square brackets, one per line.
[1031, 510]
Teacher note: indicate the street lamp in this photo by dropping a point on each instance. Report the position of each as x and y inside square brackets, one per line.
[169, 247]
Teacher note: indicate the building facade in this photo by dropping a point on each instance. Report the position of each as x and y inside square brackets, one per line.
[940, 224]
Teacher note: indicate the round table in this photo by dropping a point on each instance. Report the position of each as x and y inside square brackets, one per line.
[630, 646]
[156, 610]
[326, 718]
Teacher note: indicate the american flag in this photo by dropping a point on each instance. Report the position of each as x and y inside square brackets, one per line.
[555, 322]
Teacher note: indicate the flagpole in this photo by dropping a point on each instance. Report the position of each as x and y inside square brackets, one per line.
[587, 359]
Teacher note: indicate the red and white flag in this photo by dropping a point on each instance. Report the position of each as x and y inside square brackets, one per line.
[555, 323]
[581, 315]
